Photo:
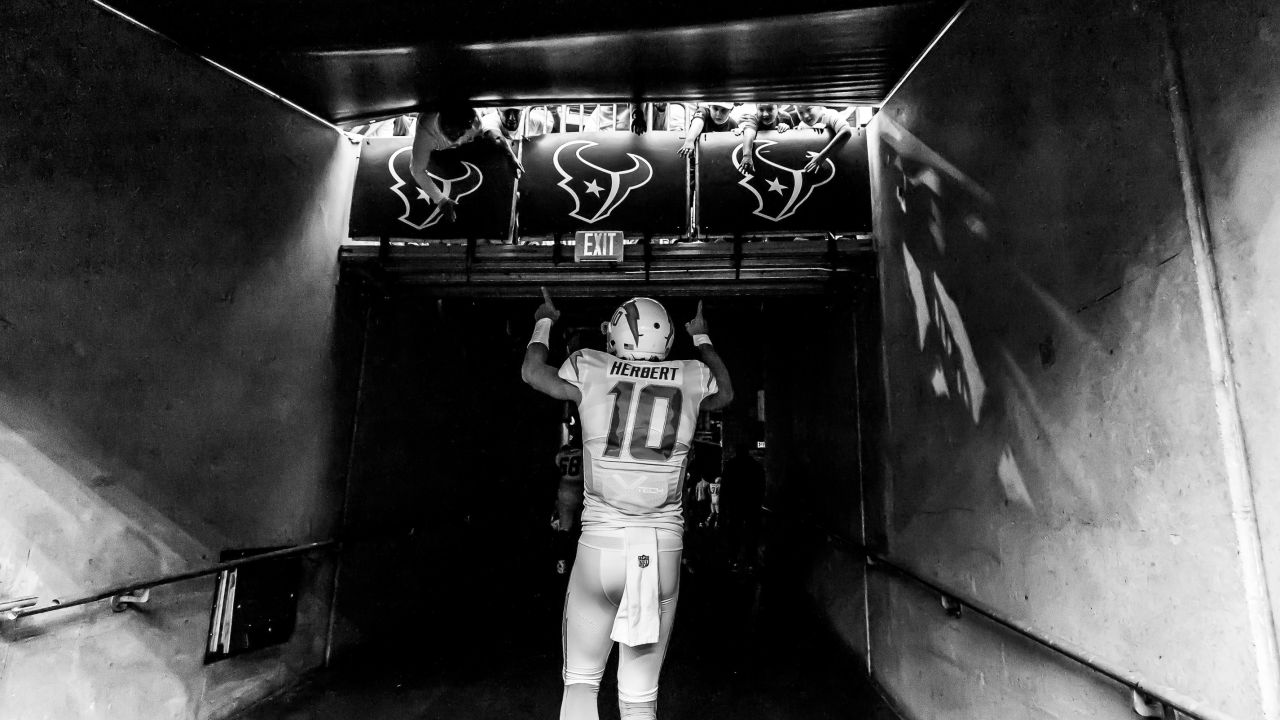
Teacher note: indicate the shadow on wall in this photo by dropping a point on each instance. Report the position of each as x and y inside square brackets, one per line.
[925, 183]
[937, 204]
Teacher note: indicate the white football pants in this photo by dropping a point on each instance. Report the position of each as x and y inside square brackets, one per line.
[590, 604]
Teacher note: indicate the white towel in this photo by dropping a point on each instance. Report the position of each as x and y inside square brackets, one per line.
[639, 612]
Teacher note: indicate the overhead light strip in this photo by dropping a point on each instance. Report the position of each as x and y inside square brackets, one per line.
[269, 93]
[928, 49]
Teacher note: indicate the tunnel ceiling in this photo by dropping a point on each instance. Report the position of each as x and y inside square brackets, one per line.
[346, 61]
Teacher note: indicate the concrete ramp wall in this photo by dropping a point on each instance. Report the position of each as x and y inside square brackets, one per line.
[1055, 445]
[1233, 89]
[168, 383]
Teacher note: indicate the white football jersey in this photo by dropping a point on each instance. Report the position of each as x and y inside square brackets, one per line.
[638, 419]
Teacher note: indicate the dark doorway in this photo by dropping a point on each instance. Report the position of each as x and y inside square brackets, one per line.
[448, 585]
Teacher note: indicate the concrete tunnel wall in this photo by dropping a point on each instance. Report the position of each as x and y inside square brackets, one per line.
[1233, 87]
[168, 383]
[1053, 444]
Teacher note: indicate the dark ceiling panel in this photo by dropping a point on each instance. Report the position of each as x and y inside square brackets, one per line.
[345, 61]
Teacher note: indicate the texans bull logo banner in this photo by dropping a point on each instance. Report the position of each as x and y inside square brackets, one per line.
[603, 181]
[778, 197]
[387, 201]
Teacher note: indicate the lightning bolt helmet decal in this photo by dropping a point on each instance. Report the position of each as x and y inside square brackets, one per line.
[640, 329]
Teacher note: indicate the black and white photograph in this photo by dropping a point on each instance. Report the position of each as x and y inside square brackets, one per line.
[658, 360]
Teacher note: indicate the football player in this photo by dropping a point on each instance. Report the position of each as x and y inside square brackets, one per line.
[568, 498]
[713, 519]
[638, 412]
[702, 494]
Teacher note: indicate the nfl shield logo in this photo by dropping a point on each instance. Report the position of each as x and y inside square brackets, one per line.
[644, 561]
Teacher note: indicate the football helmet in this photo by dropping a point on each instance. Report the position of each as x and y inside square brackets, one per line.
[640, 330]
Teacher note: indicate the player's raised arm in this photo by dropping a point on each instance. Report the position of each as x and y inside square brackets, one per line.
[535, 371]
[697, 328]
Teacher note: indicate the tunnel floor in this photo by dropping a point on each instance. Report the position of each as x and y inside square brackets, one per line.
[746, 645]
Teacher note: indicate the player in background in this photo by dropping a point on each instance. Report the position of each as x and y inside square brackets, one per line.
[638, 412]
[568, 499]
[713, 518]
[702, 495]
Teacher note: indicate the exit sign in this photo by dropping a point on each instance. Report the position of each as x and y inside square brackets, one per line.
[598, 246]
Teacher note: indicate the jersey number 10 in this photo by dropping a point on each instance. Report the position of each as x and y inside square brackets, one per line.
[623, 393]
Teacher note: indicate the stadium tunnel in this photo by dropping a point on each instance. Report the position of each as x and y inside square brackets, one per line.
[1017, 435]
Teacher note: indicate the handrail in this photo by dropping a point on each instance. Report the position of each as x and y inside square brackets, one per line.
[1169, 697]
[1141, 687]
[121, 590]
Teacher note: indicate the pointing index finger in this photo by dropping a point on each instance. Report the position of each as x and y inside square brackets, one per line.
[546, 296]
[699, 309]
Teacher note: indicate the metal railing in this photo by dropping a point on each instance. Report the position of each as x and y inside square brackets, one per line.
[137, 592]
[1149, 699]
[1146, 694]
